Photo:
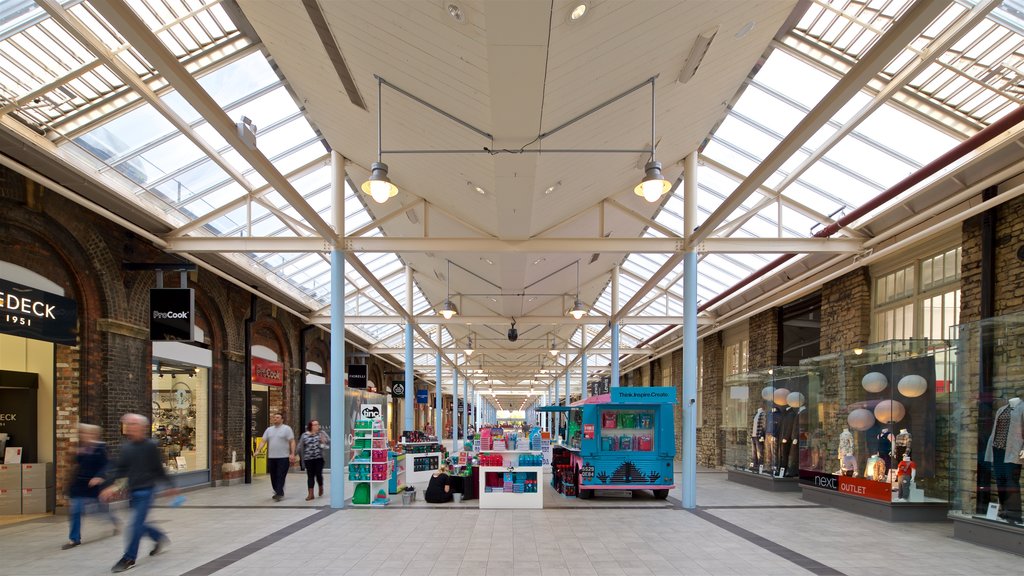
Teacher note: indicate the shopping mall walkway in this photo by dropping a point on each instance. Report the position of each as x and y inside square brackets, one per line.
[736, 530]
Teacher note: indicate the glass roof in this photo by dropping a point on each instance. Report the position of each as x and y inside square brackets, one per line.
[54, 82]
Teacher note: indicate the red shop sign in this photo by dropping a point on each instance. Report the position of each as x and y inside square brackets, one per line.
[866, 488]
[267, 372]
[588, 431]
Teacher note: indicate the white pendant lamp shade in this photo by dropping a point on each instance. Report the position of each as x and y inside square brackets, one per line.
[795, 399]
[912, 385]
[861, 419]
[379, 187]
[654, 184]
[874, 382]
[767, 393]
[890, 411]
[780, 396]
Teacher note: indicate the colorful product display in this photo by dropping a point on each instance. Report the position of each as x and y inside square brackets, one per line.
[370, 464]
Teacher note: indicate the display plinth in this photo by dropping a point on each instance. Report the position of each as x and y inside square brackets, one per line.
[420, 467]
[764, 481]
[888, 511]
[988, 533]
[503, 499]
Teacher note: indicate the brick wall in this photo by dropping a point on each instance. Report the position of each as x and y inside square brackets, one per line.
[710, 449]
[763, 351]
[845, 312]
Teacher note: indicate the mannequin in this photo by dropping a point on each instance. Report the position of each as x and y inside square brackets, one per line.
[788, 432]
[847, 461]
[906, 473]
[757, 428]
[771, 446]
[885, 441]
[902, 444]
[1005, 450]
[793, 466]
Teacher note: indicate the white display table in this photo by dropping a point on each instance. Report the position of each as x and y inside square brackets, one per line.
[511, 499]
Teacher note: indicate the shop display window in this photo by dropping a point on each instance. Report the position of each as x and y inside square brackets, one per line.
[988, 422]
[764, 422]
[574, 433]
[624, 429]
[878, 418]
[180, 419]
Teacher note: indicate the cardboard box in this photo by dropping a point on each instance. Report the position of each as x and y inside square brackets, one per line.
[10, 502]
[37, 476]
[10, 476]
[34, 501]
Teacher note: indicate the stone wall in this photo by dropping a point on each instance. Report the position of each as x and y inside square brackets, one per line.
[710, 448]
[763, 351]
[846, 312]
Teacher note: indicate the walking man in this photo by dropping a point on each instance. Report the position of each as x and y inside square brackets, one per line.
[280, 442]
[142, 464]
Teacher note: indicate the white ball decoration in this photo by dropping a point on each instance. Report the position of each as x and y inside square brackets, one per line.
[890, 411]
[874, 382]
[795, 399]
[780, 396]
[861, 419]
[912, 385]
[767, 393]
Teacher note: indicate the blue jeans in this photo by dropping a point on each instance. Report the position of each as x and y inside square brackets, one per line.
[78, 505]
[141, 500]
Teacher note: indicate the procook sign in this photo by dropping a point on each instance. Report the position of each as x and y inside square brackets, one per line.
[172, 314]
[267, 372]
[36, 314]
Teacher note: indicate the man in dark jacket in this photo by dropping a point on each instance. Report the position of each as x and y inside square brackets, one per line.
[90, 466]
[142, 464]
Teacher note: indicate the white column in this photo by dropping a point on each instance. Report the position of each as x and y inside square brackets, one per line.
[689, 399]
[338, 424]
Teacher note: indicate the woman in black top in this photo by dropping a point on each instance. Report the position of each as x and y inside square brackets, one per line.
[439, 490]
[310, 449]
[90, 465]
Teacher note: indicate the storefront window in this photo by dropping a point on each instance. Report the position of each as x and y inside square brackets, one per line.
[180, 417]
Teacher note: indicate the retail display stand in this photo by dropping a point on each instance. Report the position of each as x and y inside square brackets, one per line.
[422, 459]
[369, 468]
[517, 482]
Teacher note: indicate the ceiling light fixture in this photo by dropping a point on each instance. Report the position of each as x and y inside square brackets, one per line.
[379, 186]
[553, 347]
[578, 11]
[551, 188]
[654, 183]
[455, 12]
[469, 346]
[448, 309]
[578, 310]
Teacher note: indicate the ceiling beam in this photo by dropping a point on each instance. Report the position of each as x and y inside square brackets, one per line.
[887, 47]
[531, 245]
[427, 319]
[134, 30]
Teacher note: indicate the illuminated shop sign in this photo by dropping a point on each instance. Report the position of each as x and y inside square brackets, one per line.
[172, 314]
[267, 372]
[35, 314]
[357, 376]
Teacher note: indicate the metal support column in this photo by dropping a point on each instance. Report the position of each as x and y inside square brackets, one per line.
[410, 378]
[437, 385]
[583, 363]
[689, 399]
[338, 424]
[615, 327]
[455, 405]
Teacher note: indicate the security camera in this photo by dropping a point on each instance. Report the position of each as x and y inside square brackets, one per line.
[513, 334]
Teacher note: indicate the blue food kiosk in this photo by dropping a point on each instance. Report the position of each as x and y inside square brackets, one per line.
[624, 440]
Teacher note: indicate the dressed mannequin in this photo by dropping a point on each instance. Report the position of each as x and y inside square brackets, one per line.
[902, 444]
[793, 465]
[875, 468]
[906, 473]
[757, 427]
[788, 432]
[1005, 450]
[885, 441]
[847, 461]
[771, 445]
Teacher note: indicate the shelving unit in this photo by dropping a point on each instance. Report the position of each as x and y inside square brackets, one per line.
[369, 469]
[422, 459]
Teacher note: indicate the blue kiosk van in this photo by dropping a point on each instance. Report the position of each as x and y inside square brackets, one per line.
[624, 440]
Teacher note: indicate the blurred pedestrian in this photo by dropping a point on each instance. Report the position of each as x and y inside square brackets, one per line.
[280, 441]
[90, 466]
[311, 454]
[141, 463]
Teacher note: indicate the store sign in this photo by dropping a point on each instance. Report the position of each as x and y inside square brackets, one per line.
[357, 376]
[35, 314]
[398, 389]
[422, 396]
[654, 395]
[370, 412]
[267, 372]
[172, 314]
[848, 485]
[588, 431]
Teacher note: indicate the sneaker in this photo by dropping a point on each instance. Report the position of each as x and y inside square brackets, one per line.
[160, 546]
[123, 564]
[278, 497]
[70, 544]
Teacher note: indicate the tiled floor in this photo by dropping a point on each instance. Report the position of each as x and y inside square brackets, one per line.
[736, 530]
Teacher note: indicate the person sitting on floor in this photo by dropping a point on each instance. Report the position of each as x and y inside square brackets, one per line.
[439, 490]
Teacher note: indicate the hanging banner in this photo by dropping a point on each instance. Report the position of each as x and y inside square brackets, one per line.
[357, 376]
[267, 372]
[35, 314]
[658, 394]
[398, 388]
[422, 396]
[172, 314]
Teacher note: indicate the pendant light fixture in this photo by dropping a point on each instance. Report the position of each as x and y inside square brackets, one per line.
[469, 346]
[578, 310]
[448, 309]
[553, 347]
[379, 186]
[654, 183]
